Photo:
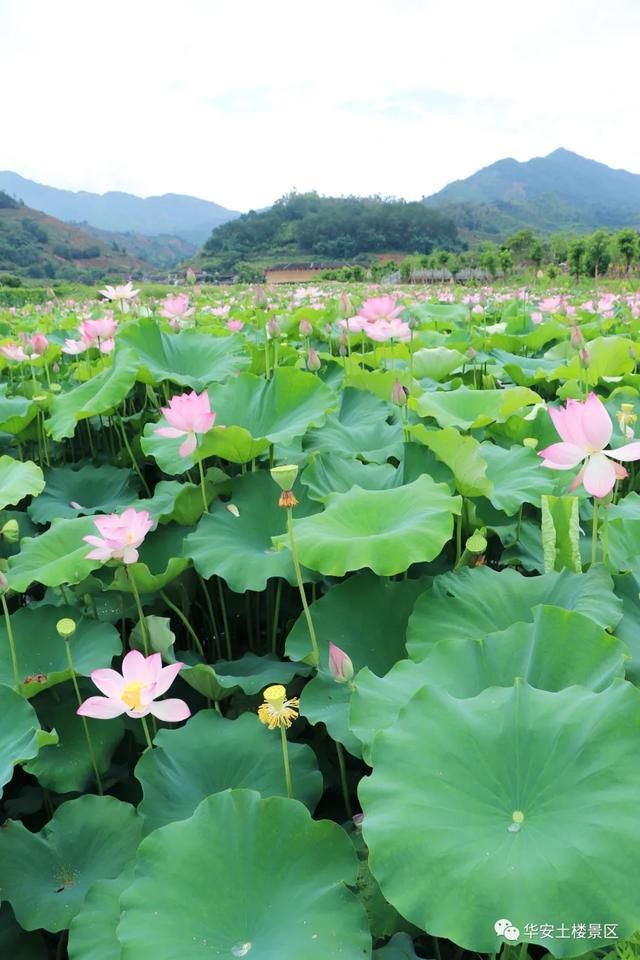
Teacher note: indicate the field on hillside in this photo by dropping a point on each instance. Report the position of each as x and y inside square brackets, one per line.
[320, 623]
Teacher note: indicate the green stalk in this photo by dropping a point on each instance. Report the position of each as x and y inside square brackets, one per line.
[285, 757]
[92, 754]
[594, 532]
[12, 645]
[343, 780]
[605, 534]
[303, 596]
[134, 462]
[276, 617]
[147, 736]
[205, 503]
[178, 612]
[225, 620]
[143, 622]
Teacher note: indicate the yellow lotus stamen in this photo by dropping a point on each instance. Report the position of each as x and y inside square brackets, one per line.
[131, 695]
[277, 711]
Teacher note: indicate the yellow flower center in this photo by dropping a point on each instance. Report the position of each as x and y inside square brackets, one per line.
[131, 695]
[275, 695]
[277, 711]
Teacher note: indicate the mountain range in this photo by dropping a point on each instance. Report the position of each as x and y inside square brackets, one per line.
[175, 214]
[560, 192]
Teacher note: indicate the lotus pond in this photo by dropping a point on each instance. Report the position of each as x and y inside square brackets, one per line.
[320, 626]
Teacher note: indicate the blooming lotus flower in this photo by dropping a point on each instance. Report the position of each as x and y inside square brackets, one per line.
[188, 415]
[380, 308]
[13, 352]
[121, 295]
[101, 329]
[176, 309]
[585, 429]
[121, 535]
[384, 330]
[74, 347]
[135, 691]
[353, 324]
[235, 325]
[536, 316]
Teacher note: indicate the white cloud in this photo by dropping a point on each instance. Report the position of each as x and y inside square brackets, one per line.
[241, 101]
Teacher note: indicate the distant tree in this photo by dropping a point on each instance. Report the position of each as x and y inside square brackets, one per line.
[537, 253]
[505, 258]
[627, 242]
[520, 244]
[559, 247]
[597, 256]
[575, 256]
[489, 258]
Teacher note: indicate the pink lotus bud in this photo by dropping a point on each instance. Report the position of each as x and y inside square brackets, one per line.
[39, 343]
[340, 664]
[398, 393]
[346, 309]
[577, 340]
[55, 368]
[273, 328]
[313, 360]
[191, 277]
[584, 356]
[305, 328]
[259, 297]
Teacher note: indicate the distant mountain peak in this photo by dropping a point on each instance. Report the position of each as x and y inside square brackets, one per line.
[180, 215]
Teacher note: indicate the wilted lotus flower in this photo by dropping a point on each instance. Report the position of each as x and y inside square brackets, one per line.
[121, 535]
[135, 690]
[188, 415]
[176, 309]
[585, 429]
[122, 294]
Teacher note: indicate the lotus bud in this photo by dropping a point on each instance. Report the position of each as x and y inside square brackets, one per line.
[340, 664]
[55, 368]
[273, 328]
[530, 442]
[398, 393]
[584, 357]
[577, 340]
[305, 328]
[313, 360]
[346, 308]
[259, 297]
[66, 628]
[11, 531]
[4, 584]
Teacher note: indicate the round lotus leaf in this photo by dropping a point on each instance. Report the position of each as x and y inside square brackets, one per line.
[473, 408]
[92, 935]
[236, 544]
[473, 602]
[163, 557]
[20, 733]
[59, 555]
[364, 426]
[19, 479]
[329, 473]
[45, 876]
[71, 492]
[557, 649]
[385, 530]
[505, 795]
[102, 393]
[16, 943]
[265, 882]
[210, 754]
[41, 654]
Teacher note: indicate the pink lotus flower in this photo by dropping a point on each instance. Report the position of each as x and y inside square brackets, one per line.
[384, 330]
[13, 352]
[585, 429]
[353, 324]
[340, 664]
[74, 347]
[101, 329]
[134, 692]
[380, 308]
[536, 316]
[189, 415]
[39, 344]
[121, 294]
[177, 308]
[121, 535]
[235, 325]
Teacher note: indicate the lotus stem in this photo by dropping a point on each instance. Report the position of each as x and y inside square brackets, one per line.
[594, 532]
[184, 619]
[12, 645]
[143, 623]
[303, 596]
[343, 780]
[92, 755]
[147, 736]
[285, 758]
[205, 503]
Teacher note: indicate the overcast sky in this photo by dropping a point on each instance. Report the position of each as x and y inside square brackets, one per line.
[240, 101]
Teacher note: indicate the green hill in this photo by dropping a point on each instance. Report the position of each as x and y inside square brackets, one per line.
[300, 227]
[562, 191]
[37, 246]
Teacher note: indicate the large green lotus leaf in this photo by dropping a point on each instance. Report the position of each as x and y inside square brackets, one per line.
[209, 754]
[20, 735]
[277, 409]
[467, 408]
[249, 674]
[516, 477]
[461, 454]
[275, 888]
[19, 479]
[436, 363]
[332, 473]
[385, 530]
[557, 649]
[622, 534]
[187, 358]
[92, 935]
[525, 371]
[607, 357]
[72, 492]
[59, 555]
[163, 557]
[15, 943]
[15, 412]
[364, 426]
[473, 602]
[40, 652]
[101, 394]
[229, 443]
[446, 316]
[182, 501]
[505, 795]
[366, 616]
[560, 531]
[45, 876]
[66, 767]
[237, 544]
[628, 629]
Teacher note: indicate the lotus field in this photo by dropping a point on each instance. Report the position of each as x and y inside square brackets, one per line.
[320, 626]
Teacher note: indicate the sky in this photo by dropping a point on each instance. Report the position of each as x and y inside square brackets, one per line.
[242, 101]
